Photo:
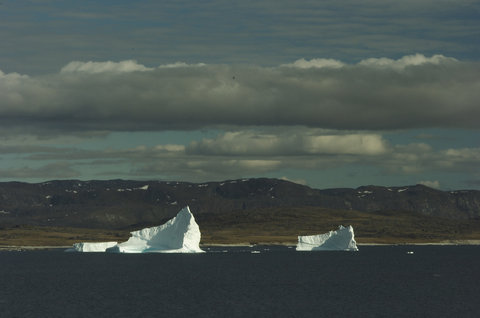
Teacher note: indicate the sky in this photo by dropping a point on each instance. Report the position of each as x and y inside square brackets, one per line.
[333, 93]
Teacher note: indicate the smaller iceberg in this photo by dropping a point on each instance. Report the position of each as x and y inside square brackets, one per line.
[178, 235]
[342, 239]
[91, 247]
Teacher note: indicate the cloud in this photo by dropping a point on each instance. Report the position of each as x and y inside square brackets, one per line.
[170, 148]
[316, 63]
[50, 171]
[420, 157]
[298, 181]
[265, 32]
[410, 60]
[414, 91]
[463, 154]
[242, 143]
[200, 169]
[431, 184]
[239, 154]
[104, 67]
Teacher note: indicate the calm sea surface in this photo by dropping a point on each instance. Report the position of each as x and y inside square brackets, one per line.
[380, 281]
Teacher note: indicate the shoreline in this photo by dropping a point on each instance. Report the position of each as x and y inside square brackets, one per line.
[443, 243]
[31, 248]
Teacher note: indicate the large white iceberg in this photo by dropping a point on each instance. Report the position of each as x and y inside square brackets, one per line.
[342, 239]
[179, 235]
[91, 247]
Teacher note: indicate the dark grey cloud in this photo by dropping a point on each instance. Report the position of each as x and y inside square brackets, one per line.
[374, 94]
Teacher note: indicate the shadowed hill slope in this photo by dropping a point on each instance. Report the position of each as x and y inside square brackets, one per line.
[117, 204]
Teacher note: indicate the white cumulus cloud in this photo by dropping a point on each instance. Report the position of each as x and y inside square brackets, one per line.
[316, 63]
[409, 60]
[101, 67]
[289, 143]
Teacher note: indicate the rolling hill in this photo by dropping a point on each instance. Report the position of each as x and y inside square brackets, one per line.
[233, 211]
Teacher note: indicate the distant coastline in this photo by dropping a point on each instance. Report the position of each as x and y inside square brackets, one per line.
[441, 243]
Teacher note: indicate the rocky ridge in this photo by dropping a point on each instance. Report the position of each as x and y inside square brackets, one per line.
[120, 204]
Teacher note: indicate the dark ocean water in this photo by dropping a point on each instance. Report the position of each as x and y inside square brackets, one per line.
[381, 281]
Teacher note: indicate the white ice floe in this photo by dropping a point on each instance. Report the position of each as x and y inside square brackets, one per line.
[179, 235]
[342, 239]
[91, 247]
